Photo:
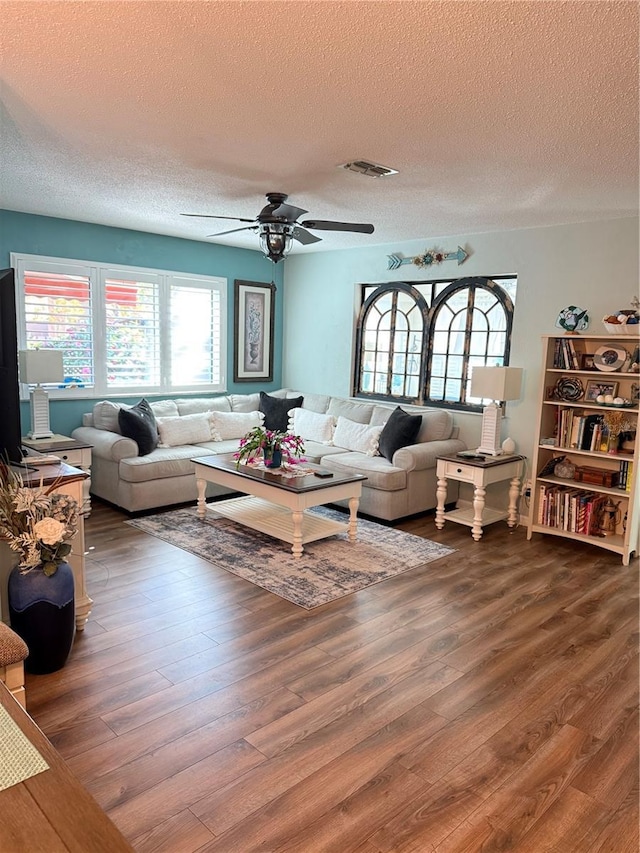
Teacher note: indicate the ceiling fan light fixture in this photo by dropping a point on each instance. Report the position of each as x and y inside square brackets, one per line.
[276, 240]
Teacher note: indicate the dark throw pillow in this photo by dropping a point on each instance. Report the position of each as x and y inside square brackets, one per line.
[276, 410]
[139, 423]
[400, 430]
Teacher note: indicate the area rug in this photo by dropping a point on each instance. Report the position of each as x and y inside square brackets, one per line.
[328, 569]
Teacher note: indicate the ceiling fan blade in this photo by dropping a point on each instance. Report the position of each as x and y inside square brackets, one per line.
[233, 230]
[281, 210]
[304, 237]
[323, 225]
[212, 216]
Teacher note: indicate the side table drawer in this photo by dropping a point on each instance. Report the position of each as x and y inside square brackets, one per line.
[457, 471]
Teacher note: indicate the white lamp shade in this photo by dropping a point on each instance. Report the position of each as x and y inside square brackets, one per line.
[40, 365]
[496, 383]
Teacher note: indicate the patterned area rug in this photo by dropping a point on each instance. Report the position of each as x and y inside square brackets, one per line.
[328, 569]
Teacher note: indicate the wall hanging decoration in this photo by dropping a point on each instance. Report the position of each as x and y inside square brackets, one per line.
[253, 333]
[428, 259]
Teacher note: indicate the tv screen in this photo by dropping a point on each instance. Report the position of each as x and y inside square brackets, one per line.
[10, 433]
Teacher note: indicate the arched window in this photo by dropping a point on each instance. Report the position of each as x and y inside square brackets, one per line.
[418, 342]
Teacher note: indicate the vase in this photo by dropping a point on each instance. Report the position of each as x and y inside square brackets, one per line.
[272, 458]
[42, 611]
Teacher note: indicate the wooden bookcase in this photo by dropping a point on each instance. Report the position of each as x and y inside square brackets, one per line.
[599, 504]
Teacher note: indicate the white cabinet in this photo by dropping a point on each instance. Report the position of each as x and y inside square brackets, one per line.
[594, 498]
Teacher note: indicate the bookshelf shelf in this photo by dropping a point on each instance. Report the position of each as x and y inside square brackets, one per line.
[599, 506]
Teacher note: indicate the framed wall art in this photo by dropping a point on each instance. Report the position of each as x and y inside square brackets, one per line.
[253, 331]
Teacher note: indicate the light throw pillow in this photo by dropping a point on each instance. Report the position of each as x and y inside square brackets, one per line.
[400, 430]
[186, 429]
[139, 423]
[276, 410]
[361, 438]
[312, 426]
[225, 425]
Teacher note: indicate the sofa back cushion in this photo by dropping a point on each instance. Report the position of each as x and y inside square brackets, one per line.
[244, 402]
[165, 409]
[436, 426]
[105, 415]
[359, 412]
[185, 429]
[197, 405]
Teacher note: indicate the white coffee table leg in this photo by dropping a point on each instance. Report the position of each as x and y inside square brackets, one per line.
[478, 506]
[514, 491]
[441, 495]
[353, 518]
[202, 506]
[297, 548]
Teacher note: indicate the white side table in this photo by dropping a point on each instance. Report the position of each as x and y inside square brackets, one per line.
[71, 452]
[480, 473]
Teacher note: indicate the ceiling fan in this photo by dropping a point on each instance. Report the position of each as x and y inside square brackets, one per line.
[277, 226]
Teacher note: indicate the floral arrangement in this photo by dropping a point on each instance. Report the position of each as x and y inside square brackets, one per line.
[260, 442]
[431, 256]
[37, 523]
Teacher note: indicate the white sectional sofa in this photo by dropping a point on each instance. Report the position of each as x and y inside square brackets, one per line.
[404, 486]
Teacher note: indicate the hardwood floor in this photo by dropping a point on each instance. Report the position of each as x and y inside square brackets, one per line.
[485, 702]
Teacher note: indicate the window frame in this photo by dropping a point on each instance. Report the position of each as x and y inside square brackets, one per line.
[98, 273]
[441, 291]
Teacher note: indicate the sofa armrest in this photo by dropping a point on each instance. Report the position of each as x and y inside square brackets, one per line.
[417, 457]
[107, 445]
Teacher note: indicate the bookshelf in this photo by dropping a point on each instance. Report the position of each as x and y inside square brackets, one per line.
[596, 498]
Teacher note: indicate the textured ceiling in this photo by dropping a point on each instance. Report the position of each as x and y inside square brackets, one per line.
[498, 115]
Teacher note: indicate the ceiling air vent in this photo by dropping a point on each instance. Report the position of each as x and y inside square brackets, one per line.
[364, 167]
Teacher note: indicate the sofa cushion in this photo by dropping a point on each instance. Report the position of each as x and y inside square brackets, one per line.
[380, 473]
[315, 402]
[105, 416]
[276, 410]
[162, 463]
[437, 425]
[197, 405]
[359, 412]
[139, 424]
[187, 429]
[354, 436]
[312, 426]
[165, 409]
[400, 430]
[244, 402]
[234, 424]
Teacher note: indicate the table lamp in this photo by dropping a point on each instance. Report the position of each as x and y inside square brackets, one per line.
[38, 366]
[496, 384]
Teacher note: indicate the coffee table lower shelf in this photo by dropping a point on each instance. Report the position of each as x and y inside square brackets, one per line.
[277, 521]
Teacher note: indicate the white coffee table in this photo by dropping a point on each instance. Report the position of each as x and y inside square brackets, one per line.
[275, 504]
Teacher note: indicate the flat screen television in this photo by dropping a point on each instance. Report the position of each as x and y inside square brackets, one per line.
[10, 433]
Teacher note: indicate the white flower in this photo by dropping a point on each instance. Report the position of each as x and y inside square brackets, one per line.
[49, 531]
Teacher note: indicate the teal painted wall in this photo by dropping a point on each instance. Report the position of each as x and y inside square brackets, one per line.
[64, 238]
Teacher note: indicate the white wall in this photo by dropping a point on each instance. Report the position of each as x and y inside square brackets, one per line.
[594, 265]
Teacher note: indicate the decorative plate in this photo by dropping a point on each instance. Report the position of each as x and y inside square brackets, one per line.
[609, 358]
[569, 390]
[572, 319]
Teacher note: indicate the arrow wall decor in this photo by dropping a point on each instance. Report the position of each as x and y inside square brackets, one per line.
[430, 257]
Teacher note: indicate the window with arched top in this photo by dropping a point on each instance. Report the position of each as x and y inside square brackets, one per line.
[417, 342]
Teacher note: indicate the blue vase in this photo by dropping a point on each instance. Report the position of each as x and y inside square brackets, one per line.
[273, 458]
[42, 612]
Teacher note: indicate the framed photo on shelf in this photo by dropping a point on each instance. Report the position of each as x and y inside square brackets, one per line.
[587, 362]
[253, 331]
[596, 388]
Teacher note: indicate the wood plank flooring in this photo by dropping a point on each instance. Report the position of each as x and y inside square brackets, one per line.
[485, 702]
